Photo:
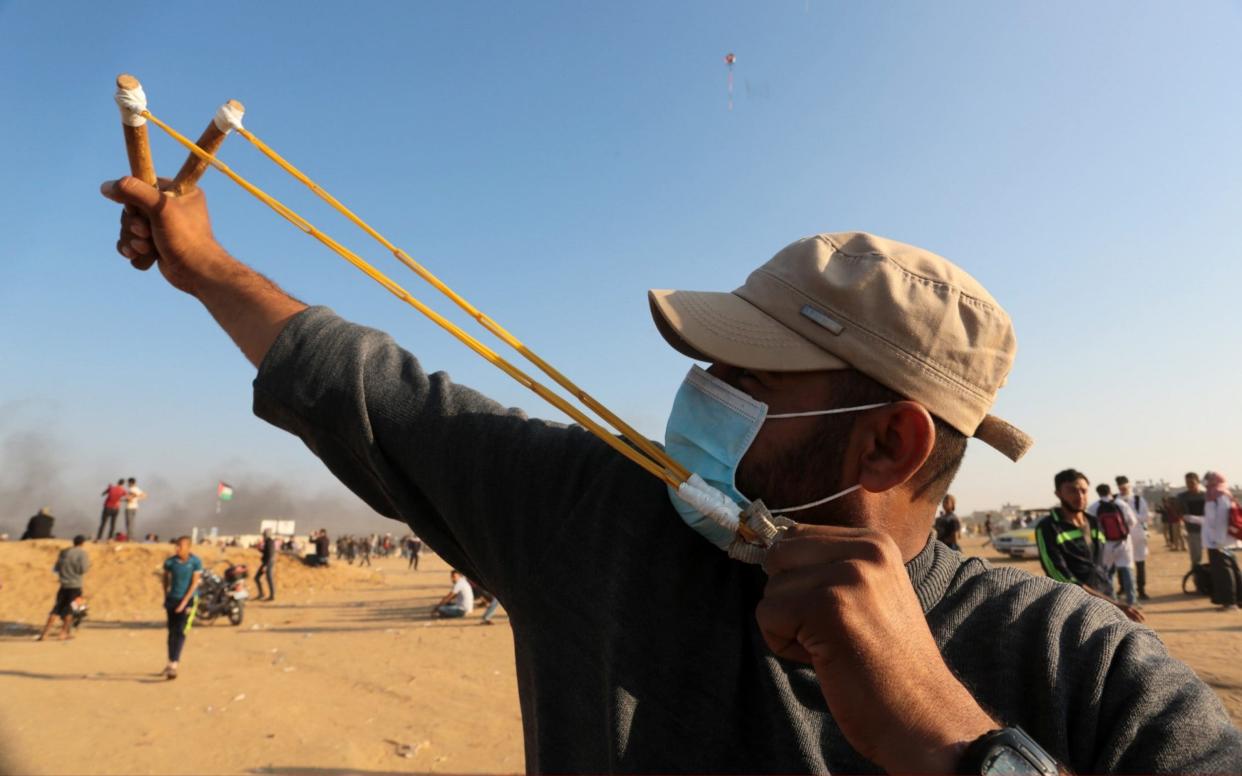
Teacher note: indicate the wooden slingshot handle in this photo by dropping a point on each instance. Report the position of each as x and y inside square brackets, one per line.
[137, 146]
[210, 141]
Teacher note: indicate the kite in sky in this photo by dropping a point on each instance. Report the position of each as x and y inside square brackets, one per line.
[729, 60]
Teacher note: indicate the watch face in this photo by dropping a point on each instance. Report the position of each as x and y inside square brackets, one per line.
[1003, 760]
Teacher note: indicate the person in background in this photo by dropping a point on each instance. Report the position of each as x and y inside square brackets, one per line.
[948, 526]
[71, 566]
[1221, 546]
[1174, 531]
[111, 507]
[487, 598]
[460, 599]
[987, 529]
[415, 546]
[1071, 544]
[323, 547]
[1190, 504]
[267, 560]
[133, 496]
[1138, 536]
[183, 573]
[1117, 523]
[40, 525]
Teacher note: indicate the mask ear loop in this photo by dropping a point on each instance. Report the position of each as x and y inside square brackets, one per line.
[834, 496]
[829, 412]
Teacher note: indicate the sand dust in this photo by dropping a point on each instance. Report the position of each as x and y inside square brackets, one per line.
[345, 673]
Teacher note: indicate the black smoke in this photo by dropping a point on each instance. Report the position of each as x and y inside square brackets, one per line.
[36, 470]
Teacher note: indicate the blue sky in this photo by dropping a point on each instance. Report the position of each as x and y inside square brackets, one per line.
[553, 160]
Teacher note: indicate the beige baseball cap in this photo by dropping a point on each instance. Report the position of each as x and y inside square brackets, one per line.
[905, 317]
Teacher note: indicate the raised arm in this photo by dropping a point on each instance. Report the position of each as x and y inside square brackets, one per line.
[176, 231]
[414, 446]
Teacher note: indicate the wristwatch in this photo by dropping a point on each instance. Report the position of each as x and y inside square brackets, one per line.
[1006, 751]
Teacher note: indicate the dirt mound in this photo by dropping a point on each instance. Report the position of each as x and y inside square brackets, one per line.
[124, 585]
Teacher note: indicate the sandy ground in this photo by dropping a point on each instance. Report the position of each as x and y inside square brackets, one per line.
[344, 673]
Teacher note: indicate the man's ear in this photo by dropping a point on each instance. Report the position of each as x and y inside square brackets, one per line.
[895, 440]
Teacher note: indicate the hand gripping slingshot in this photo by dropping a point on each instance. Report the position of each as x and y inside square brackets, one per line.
[755, 528]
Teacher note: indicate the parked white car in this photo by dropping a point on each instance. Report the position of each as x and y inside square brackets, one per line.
[1019, 543]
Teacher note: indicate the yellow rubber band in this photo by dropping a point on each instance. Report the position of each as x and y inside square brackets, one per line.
[478, 347]
[644, 444]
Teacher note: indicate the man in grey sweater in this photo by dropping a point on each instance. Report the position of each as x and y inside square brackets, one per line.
[861, 645]
[71, 566]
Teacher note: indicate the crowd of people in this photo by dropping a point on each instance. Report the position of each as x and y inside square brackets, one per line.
[352, 548]
[1102, 545]
[1208, 518]
[182, 577]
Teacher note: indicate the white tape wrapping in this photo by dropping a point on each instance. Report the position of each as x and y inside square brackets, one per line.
[747, 553]
[132, 103]
[711, 503]
[228, 118]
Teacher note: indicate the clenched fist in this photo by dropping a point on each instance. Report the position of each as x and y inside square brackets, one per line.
[841, 599]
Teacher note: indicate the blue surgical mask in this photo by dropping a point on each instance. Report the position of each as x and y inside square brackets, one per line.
[710, 428]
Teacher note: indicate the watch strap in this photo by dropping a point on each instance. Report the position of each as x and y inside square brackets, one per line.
[982, 752]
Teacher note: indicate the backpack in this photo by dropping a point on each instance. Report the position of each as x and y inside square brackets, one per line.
[1200, 574]
[1112, 521]
[1235, 519]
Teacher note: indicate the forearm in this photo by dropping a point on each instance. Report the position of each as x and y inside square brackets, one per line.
[189, 594]
[250, 308]
[1094, 593]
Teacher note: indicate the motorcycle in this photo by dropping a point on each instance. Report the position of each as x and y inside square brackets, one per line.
[223, 595]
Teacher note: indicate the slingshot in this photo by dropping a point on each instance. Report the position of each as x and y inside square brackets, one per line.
[755, 527]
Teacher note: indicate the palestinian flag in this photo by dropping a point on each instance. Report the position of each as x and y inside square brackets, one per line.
[224, 491]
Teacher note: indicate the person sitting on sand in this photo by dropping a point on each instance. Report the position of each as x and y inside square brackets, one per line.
[460, 599]
[39, 526]
[71, 565]
[485, 598]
